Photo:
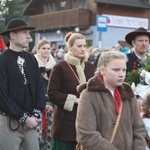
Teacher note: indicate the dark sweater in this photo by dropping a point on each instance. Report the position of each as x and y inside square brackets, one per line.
[133, 62]
[15, 97]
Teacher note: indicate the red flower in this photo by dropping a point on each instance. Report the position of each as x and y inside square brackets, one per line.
[69, 35]
[134, 65]
[2, 44]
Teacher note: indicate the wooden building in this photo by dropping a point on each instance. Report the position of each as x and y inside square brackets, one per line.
[54, 18]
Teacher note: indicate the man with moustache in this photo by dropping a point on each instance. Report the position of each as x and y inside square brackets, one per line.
[139, 40]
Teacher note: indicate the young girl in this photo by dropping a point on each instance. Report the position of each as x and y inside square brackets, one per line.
[100, 104]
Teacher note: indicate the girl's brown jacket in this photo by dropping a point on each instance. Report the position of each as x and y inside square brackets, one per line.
[96, 118]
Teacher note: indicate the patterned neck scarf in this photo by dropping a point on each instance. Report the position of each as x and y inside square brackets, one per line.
[117, 99]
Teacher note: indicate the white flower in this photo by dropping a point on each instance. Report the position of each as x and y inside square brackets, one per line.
[143, 73]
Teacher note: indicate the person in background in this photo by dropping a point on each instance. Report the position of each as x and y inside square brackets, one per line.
[53, 49]
[33, 51]
[102, 99]
[93, 53]
[59, 55]
[21, 90]
[120, 46]
[146, 117]
[46, 62]
[139, 39]
[65, 77]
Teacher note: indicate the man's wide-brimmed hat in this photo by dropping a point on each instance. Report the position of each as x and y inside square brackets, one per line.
[16, 24]
[131, 36]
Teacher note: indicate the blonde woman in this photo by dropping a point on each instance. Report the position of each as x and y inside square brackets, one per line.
[100, 104]
[46, 62]
[65, 77]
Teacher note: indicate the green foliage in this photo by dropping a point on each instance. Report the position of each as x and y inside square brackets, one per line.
[2, 27]
[134, 75]
[146, 64]
[15, 9]
[10, 9]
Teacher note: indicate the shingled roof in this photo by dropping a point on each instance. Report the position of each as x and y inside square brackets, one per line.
[32, 7]
[129, 3]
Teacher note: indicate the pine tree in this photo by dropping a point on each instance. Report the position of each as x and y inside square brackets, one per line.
[10, 9]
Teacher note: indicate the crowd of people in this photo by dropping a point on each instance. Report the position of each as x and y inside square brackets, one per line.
[73, 100]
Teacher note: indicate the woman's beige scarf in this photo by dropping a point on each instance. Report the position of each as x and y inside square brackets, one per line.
[49, 65]
[79, 66]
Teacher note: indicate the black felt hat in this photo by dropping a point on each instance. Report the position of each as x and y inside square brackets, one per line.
[16, 24]
[140, 31]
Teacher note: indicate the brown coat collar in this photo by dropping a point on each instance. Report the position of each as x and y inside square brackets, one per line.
[95, 84]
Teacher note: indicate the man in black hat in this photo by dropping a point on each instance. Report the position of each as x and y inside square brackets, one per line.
[21, 91]
[139, 39]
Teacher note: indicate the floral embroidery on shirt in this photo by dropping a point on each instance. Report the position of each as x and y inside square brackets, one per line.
[21, 64]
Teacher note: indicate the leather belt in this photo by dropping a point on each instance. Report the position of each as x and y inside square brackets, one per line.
[2, 113]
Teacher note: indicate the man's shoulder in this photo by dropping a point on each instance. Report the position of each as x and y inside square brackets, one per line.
[132, 56]
[29, 55]
[5, 52]
[5, 55]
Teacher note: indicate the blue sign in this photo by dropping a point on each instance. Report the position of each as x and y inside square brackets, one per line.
[101, 22]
